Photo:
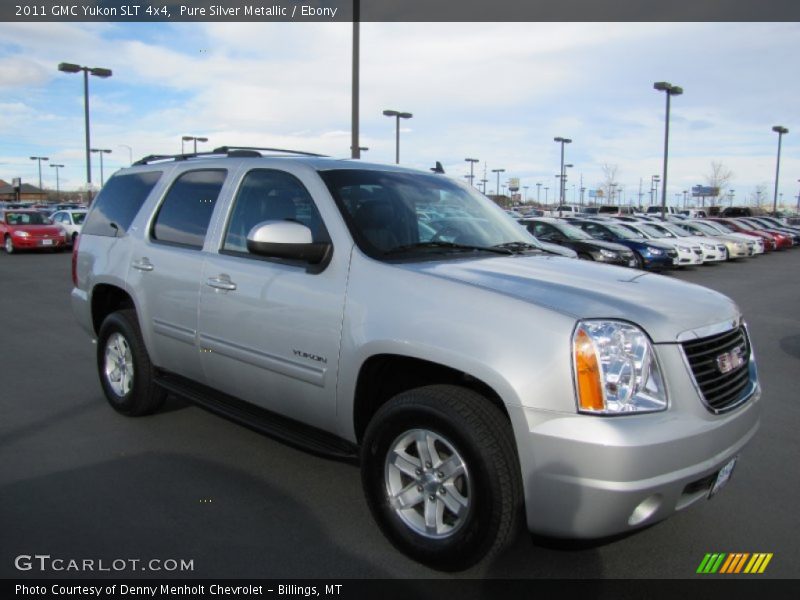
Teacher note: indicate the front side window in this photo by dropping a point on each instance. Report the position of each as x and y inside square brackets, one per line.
[185, 213]
[270, 195]
[396, 215]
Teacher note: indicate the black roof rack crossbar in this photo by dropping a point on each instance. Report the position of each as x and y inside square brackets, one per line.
[156, 157]
[227, 149]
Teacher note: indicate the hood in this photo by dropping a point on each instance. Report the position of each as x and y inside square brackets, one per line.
[664, 307]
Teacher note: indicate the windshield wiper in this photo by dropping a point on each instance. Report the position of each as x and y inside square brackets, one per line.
[449, 246]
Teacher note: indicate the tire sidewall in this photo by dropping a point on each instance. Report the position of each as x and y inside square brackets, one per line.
[128, 404]
[476, 534]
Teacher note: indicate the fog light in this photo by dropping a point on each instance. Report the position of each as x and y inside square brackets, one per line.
[646, 509]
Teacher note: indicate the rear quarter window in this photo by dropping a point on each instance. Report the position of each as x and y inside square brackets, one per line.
[118, 202]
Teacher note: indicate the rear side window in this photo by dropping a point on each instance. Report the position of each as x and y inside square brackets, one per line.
[118, 202]
[185, 213]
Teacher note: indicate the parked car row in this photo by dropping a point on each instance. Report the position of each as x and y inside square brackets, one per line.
[655, 245]
[28, 229]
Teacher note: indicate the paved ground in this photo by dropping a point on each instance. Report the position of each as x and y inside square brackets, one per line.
[79, 481]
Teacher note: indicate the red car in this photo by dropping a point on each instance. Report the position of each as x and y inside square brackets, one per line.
[29, 230]
[775, 240]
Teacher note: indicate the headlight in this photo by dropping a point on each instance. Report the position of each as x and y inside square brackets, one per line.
[655, 251]
[615, 369]
[684, 248]
[708, 246]
[608, 253]
[21, 234]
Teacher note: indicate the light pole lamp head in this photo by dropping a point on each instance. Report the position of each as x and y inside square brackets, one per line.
[100, 72]
[405, 115]
[40, 158]
[57, 166]
[498, 170]
[187, 138]
[780, 130]
[662, 86]
[472, 160]
[391, 113]
[69, 67]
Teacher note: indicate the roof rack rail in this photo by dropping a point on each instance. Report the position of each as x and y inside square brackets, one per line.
[231, 151]
[228, 149]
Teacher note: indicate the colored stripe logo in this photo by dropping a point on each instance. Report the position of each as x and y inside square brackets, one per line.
[734, 563]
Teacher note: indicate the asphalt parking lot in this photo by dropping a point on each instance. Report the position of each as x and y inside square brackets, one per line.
[80, 481]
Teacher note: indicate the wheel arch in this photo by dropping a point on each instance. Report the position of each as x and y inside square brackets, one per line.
[383, 376]
[106, 299]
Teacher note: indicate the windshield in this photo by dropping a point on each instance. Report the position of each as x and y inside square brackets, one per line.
[26, 218]
[704, 228]
[632, 232]
[676, 230]
[573, 232]
[745, 226]
[395, 213]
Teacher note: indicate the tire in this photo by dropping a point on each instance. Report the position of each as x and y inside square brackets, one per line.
[585, 256]
[639, 261]
[8, 244]
[475, 488]
[126, 373]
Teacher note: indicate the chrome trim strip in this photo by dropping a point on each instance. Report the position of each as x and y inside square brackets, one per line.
[176, 332]
[709, 330]
[262, 360]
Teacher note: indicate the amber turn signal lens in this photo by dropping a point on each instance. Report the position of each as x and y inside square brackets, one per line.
[590, 394]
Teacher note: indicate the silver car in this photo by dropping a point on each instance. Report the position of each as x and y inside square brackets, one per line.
[477, 377]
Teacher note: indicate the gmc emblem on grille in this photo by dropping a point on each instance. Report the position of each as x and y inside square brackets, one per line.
[729, 361]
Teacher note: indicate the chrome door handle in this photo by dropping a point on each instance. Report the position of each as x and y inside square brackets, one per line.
[222, 282]
[142, 265]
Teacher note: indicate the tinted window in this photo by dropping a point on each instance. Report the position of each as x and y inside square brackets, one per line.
[186, 210]
[269, 195]
[119, 201]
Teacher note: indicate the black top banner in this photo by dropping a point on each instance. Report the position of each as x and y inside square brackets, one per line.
[401, 10]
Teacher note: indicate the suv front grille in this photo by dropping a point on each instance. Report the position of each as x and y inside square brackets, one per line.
[720, 367]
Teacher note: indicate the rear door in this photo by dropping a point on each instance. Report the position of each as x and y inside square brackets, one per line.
[166, 268]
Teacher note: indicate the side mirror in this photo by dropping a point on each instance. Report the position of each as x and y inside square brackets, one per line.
[288, 240]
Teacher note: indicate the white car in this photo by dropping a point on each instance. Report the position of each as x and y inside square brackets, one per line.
[689, 253]
[736, 247]
[71, 221]
[714, 250]
[755, 243]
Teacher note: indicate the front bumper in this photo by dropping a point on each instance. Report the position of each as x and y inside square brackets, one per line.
[591, 477]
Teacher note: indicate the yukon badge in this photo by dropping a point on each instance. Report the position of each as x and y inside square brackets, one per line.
[314, 357]
[729, 361]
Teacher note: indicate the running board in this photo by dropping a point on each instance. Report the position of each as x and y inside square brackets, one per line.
[289, 431]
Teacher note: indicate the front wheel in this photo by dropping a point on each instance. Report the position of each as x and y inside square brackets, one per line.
[639, 260]
[126, 373]
[9, 245]
[441, 475]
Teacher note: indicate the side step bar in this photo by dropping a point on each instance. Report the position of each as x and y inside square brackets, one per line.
[289, 431]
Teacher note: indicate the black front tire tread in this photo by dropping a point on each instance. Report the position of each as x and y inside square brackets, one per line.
[145, 397]
[491, 432]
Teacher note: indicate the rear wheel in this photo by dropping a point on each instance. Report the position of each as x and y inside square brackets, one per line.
[126, 373]
[441, 476]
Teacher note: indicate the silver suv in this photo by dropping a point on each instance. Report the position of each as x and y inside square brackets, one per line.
[401, 318]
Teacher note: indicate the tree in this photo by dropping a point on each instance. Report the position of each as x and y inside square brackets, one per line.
[719, 177]
[610, 183]
[759, 194]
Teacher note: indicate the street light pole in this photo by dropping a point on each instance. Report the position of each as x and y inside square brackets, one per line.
[671, 90]
[101, 151]
[397, 115]
[39, 159]
[562, 141]
[538, 193]
[780, 130]
[130, 152]
[97, 72]
[498, 171]
[471, 162]
[58, 186]
[192, 138]
[355, 148]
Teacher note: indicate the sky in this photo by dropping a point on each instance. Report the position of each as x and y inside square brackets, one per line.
[499, 92]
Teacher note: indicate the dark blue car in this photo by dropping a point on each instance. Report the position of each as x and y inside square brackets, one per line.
[650, 255]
